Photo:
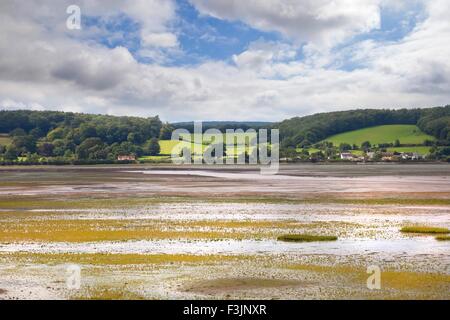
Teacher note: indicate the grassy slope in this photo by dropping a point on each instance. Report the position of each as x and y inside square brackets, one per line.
[407, 134]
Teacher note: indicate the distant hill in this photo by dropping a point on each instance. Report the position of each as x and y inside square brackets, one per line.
[223, 125]
[406, 134]
[304, 131]
[40, 136]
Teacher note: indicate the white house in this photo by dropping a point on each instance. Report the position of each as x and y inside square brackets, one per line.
[346, 156]
[130, 157]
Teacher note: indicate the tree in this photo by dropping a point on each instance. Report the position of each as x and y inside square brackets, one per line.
[317, 156]
[68, 131]
[288, 143]
[166, 131]
[344, 147]
[37, 133]
[24, 143]
[68, 154]
[377, 156]
[397, 143]
[87, 131]
[366, 146]
[11, 153]
[134, 137]
[330, 153]
[91, 148]
[17, 132]
[33, 158]
[289, 153]
[46, 149]
[57, 133]
[153, 147]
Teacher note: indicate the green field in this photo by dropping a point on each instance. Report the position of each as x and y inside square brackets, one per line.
[357, 152]
[406, 134]
[4, 139]
[310, 150]
[208, 138]
[168, 145]
[419, 149]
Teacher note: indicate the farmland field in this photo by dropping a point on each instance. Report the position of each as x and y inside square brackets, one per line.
[208, 137]
[168, 145]
[407, 134]
[419, 149]
[4, 139]
[189, 142]
[201, 232]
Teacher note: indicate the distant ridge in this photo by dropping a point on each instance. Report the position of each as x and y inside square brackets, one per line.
[304, 131]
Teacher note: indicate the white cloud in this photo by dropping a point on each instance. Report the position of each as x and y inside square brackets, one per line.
[322, 22]
[44, 65]
[164, 39]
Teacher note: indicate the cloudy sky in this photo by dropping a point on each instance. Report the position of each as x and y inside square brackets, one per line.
[224, 59]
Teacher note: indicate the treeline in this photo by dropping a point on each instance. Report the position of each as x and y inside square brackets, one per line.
[78, 137]
[224, 125]
[436, 122]
[305, 131]
[39, 136]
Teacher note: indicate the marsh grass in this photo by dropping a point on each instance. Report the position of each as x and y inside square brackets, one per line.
[400, 280]
[424, 229]
[84, 202]
[215, 286]
[38, 229]
[49, 227]
[443, 238]
[305, 238]
[113, 259]
[107, 293]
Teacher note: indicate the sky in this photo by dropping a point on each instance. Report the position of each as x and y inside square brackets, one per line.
[224, 59]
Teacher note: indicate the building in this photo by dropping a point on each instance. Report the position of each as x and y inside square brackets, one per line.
[410, 156]
[389, 156]
[370, 155]
[346, 156]
[129, 157]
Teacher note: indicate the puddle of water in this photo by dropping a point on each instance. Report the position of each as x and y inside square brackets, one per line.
[410, 247]
[260, 212]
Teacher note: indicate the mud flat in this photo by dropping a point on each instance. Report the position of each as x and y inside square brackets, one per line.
[141, 232]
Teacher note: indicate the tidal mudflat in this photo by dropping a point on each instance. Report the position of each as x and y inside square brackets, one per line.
[160, 232]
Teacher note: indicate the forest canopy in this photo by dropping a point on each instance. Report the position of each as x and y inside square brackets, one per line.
[78, 136]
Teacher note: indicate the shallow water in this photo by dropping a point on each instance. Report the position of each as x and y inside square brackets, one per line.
[366, 233]
[384, 248]
[291, 180]
[256, 212]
